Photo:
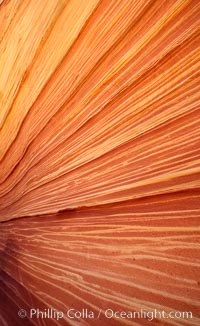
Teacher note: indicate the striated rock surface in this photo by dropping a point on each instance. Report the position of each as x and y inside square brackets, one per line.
[139, 254]
[99, 159]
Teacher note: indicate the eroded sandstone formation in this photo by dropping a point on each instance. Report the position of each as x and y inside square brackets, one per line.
[99, 160]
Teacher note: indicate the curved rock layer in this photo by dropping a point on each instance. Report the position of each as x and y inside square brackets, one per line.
[99, 159]
[126, 256]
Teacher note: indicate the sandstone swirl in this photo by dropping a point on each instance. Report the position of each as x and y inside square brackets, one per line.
[99, 159]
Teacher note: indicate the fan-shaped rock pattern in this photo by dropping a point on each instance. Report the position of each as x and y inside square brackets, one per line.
[99, 159]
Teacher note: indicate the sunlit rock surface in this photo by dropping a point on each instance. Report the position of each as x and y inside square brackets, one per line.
[99, 159]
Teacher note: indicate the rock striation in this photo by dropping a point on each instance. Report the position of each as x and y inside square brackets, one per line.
[99, 160]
